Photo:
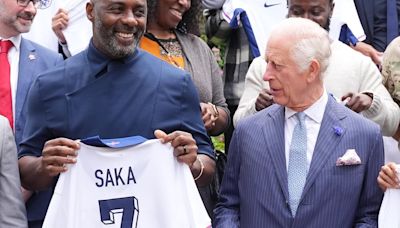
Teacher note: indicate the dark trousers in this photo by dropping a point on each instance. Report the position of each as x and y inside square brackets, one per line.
[35, 224]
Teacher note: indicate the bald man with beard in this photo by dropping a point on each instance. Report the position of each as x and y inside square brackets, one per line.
[111, 89]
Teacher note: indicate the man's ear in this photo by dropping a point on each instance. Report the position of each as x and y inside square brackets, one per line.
[89, 11]
[314, 71]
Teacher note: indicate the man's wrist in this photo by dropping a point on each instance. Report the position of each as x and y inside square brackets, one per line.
[63, 43]
[197, 168]
[64, 47]
[371, 95]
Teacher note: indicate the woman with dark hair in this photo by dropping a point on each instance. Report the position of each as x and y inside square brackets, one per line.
[170, 24]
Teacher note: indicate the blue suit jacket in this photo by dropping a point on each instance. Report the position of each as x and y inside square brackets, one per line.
[254, 191]
[33, 60]
[365, 10]
[366, 13]
[92, 95]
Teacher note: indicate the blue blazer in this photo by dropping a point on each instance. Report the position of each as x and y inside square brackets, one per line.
[254, 191]
[33, 60]
[366, 12]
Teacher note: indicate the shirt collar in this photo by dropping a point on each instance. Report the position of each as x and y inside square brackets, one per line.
[314, 112]
[16, 40]
[96, 57]
[101, 64]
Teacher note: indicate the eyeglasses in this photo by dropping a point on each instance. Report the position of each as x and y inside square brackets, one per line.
[38, 4]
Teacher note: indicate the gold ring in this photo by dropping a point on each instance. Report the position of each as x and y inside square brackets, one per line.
[184, 149]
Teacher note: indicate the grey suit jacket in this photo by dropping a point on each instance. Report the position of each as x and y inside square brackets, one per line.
[254, 191]
[33, 60]
[12, 208]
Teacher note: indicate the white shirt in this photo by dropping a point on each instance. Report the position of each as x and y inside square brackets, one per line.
[262, 18]
[13, 59]
[314, 115]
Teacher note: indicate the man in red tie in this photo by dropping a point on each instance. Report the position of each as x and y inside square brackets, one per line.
[20, 62]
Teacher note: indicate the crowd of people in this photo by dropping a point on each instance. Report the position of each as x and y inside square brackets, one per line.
[308, 115]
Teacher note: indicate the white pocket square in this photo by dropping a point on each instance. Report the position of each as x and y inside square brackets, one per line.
[349, 158]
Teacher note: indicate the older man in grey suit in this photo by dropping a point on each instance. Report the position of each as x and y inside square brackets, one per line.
[12, 208]
[305, 161]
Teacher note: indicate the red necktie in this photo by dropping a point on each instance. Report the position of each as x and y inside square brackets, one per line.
[5, 86]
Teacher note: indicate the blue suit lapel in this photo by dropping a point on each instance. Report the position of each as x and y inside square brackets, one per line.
[327, 141]
[274, 134]
[26, 71]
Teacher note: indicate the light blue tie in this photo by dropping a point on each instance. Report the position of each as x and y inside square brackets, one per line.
[298, 168]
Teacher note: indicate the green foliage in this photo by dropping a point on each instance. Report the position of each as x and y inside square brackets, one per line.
[219, 51]
[220, 56]
[222, 51]
[218, 142]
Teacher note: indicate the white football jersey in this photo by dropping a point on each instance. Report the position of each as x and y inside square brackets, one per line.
[264, 15]
[389, 211]
[141, 186]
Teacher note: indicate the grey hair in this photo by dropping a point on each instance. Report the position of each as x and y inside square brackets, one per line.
[311, 41]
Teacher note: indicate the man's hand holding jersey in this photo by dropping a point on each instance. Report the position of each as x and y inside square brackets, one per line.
[56, 154]
[59, 152]
[185, 149]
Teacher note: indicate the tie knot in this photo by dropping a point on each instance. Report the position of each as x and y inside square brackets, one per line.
[5, 46]
[301, 116]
